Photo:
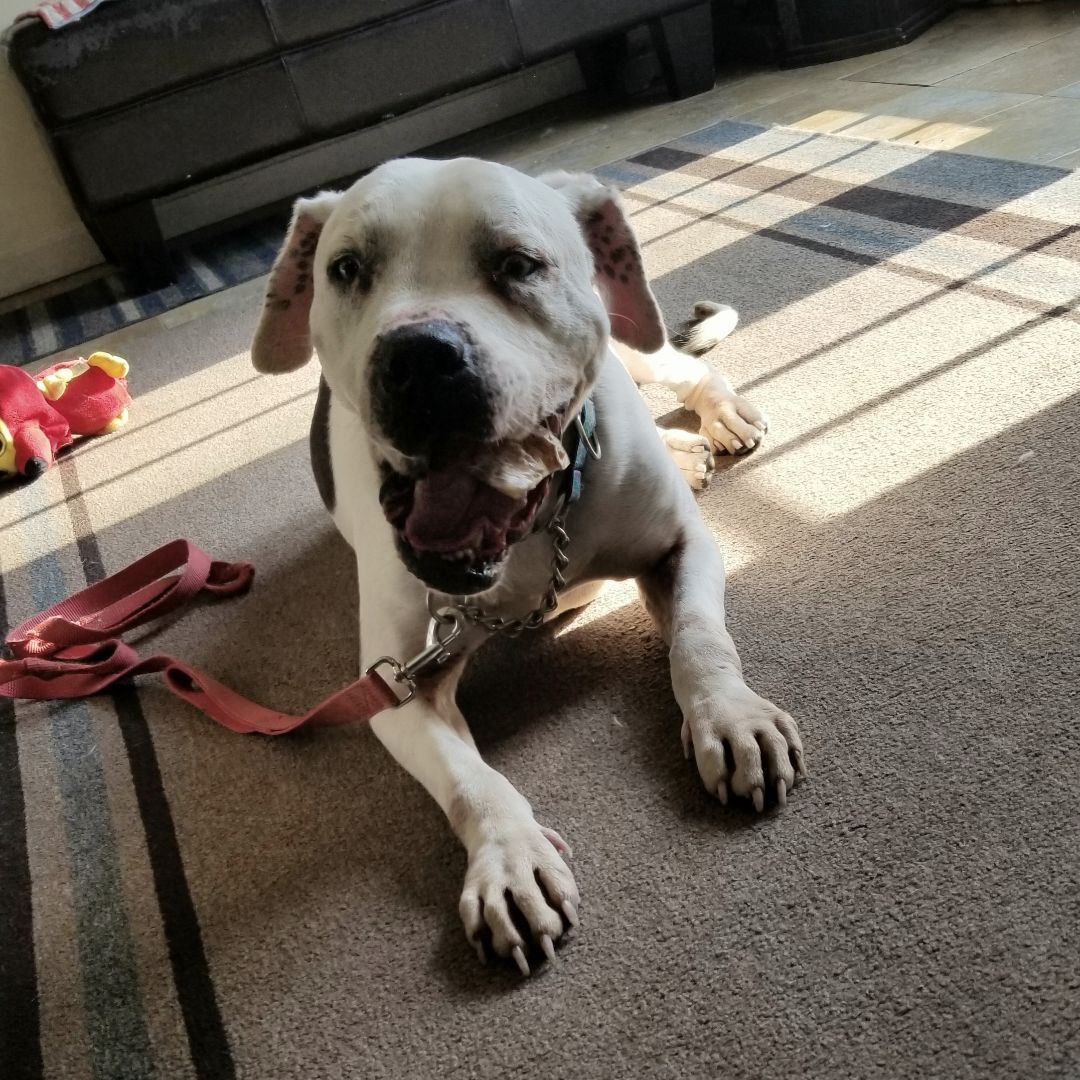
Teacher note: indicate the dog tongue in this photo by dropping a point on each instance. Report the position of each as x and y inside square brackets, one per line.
[452, 510]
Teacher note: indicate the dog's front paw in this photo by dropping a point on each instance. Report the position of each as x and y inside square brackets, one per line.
[744, 745]
[520, 896]
[692, 453]
[731, 423]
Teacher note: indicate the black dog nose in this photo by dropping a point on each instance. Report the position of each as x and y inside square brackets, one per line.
[420, 351]
[426, 386]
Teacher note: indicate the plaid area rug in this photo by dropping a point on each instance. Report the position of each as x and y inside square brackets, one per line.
[182, 902]
[108, 303]
[116, 300]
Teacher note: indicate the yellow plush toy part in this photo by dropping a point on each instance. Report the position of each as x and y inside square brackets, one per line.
[56, 380]
[91, 394]
[7, 451]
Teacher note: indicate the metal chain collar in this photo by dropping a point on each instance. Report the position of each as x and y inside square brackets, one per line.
[496, 624]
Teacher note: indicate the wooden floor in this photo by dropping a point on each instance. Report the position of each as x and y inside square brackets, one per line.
[997, 81]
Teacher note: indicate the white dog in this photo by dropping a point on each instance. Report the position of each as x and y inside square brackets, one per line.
[462, 312]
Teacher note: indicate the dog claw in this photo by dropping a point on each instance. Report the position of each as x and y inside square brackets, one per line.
[556, 841]
[519, 959]
[781, 793]
[722, 793]
[800, 766]
[570, 912]
[759, 799]
[547, 947]
[479, 946]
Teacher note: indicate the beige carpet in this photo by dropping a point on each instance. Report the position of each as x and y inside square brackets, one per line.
[177, 901]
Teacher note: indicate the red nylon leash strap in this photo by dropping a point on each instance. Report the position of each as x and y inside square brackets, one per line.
[74, 648]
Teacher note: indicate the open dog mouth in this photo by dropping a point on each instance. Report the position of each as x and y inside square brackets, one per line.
[455, 523]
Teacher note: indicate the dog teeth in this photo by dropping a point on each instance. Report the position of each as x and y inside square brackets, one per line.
[461, 556]
[471, 555]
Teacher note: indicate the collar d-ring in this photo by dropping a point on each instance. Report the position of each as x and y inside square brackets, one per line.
[586, 426]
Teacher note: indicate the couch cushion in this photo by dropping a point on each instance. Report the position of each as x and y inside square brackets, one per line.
[298, 22]
[393, 66]
[550, 26]
[127, 49]
[168, 142]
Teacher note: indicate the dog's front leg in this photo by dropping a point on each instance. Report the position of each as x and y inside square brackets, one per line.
[517, 883]
[743, 743]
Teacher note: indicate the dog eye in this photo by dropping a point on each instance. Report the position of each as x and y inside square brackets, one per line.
[345, 269]
[517, 266]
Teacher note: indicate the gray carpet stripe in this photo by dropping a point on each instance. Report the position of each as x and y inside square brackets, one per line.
[20, 1031]
[207, 1040]
[116, 1025]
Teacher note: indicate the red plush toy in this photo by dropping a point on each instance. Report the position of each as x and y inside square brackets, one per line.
[91, 394]
[38, 417]
[31, 430]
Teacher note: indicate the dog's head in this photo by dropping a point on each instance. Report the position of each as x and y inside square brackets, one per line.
[459, 309]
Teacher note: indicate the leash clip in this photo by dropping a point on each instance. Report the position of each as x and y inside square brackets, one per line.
[446, 626]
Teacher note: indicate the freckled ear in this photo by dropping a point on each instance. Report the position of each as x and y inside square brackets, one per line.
[283, 337]
[618, 272]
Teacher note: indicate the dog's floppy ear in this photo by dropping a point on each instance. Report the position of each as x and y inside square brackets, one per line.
[283, 337]
[617, 271]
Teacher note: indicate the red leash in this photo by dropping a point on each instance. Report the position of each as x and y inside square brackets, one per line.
[74, 648]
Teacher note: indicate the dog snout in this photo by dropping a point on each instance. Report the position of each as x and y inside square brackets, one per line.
[426, 386]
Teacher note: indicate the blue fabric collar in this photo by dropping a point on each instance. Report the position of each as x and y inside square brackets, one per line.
[585, 446]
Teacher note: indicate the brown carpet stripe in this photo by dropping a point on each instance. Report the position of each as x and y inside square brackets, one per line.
[872, 200]
[959, 285]
[861, 258]
[956, 362]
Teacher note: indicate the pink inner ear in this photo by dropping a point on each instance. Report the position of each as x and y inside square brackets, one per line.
[283, 339]
[620, 278]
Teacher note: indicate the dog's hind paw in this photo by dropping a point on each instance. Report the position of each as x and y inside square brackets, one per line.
[692, 453]
[730, 422]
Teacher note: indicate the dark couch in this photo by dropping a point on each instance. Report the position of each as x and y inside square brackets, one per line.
[171, 117]
[796, 32]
